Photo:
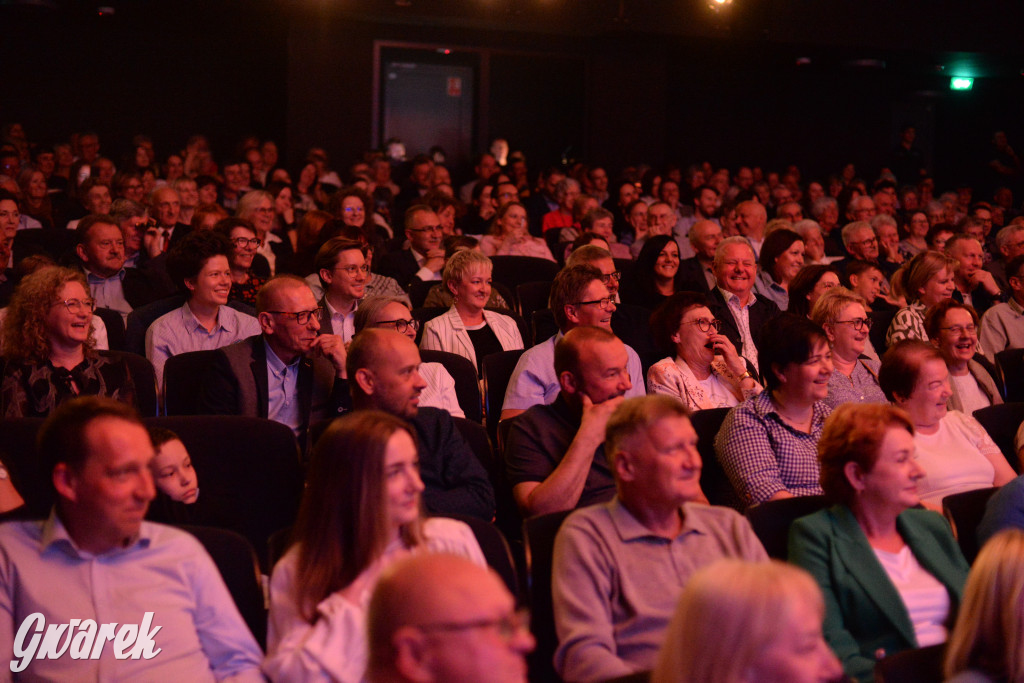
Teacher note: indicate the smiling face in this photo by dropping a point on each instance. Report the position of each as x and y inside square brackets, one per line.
[513, 222]
[604, 374]
[826, 282]
[919, 224]
[927, 402]
[667, 265]
[103, 250]
[474, 289]
[347, 279]
[938, 288]
[213, 283]
[402, 479]
[970, 256]
[580, 313]
[892, 482]
[242, 254]
[424, 231]
[958, 336]
[814, 246]
[692, 344]
[735, 269]
[808, 380]
[352, 211]
[638, 218]
[848, 341]
[262, 216]
[789, 262]
[868, 284]
[173, 472]
[395, 375]
[662, 464]
[64, 329]
[285, 335]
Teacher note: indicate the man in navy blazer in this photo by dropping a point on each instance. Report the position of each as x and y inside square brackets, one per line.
[289, 373]
[424, 259]
[743, 315]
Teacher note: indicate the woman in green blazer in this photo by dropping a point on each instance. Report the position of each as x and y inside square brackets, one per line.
[892, 574]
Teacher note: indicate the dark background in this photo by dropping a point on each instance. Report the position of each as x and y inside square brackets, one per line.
[653, 81]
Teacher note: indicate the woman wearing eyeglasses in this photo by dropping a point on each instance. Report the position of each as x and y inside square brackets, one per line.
[244, 243]
[703, 369]
[953, 329]
[468, 329]
[47, 343]
[655, 277]
[843, 316]
[360, 513]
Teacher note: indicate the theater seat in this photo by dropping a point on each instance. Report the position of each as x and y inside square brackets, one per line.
[539, 538]
[771, 521]
[467, 384]
[183, 381]
[923, 665]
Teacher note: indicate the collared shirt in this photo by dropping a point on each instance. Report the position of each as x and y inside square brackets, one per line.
[343, 324]
[766, 285]
[164, 571]
[179, 332]
[763, 455]
[742, 315]
[282, 391]
[1002, 327]
[615, 584]
[109, 292]
[534, 381]
[267, 251]
[424, 273]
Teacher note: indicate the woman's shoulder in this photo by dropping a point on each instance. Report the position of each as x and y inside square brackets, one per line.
[447, 535]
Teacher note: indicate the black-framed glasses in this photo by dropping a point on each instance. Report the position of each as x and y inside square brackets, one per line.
[400, 325]
[960, 329]
[857, 323]
[301, 317]
[507, 627]
[705, 324]
[608, 277]
[243, 242]
[352, 270]
[607, 303]
[77, 305]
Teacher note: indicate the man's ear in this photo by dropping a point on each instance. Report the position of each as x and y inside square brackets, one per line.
[80, 251]
[625, 467]
[567, 381]
[190, 284]
[570, 314]
[266, 321]
[64, 481]
[366, 381]
[326, 276]
[412, 656]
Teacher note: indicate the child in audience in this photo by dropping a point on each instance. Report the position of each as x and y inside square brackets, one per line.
[172, 468]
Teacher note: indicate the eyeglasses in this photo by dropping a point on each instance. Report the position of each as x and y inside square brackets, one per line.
[705, 325]
[352, 270]
[507, 627]
[960, 329]
[607, 278]
[607, 304]
[353, 209]
[428, 228]
[77, 305]
[400, 325]
[243, 242]
[864, 242]
[857, 323]
[264, 209]
[301, 317]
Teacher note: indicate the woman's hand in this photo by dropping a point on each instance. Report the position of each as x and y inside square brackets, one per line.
[736, 364]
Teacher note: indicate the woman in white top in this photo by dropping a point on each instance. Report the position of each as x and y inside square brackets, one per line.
[891, 573]
[509, 235]
[360, 513]
[704, 370]
[955, 451]
[953, 329]
[393, 313]
[467, 329]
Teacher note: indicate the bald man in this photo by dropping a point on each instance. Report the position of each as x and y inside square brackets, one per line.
[384, 371]
[288, 373]
[438, 617]
[751, 219]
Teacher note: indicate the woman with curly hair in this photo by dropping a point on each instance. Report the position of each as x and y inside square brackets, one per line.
[47, 342]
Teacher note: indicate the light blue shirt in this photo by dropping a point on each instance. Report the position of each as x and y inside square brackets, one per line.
[180, 332]
[109, 292]
[534, 382]
[282, 391]
[164, 571]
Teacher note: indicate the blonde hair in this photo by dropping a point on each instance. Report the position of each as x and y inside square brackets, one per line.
[727, 615]
[989, 631]
[912, 277]
[461, 263]
[830, 305]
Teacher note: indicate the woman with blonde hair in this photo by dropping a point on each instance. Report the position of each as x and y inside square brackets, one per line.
[747, 622]
[924, 280]
[47, 343]
[468, 328]
[843, 315]
[360, 513]
[987, 643]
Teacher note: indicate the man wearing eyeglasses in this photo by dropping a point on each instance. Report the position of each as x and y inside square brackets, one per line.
[439, 618]
[424, 258]
[289, 373]
[341, 265]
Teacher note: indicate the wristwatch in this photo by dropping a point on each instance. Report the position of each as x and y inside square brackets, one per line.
[746, 375]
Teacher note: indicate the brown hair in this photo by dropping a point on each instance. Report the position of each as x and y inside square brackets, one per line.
[342, 526]
[937, 315]
[853, 433]
[901, 365]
